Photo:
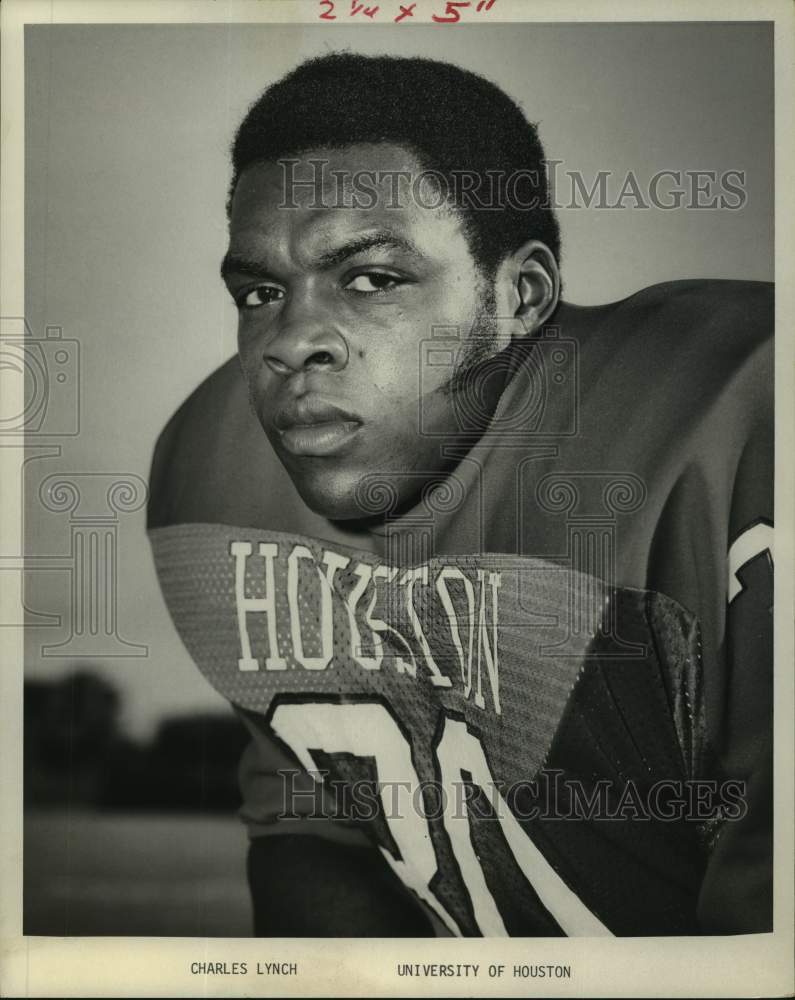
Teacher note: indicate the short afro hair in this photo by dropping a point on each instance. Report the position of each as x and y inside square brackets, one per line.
[451, 119]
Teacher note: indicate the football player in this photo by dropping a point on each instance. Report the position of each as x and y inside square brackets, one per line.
[487, 575]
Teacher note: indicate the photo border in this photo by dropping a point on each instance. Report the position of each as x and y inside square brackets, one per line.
[745, 965]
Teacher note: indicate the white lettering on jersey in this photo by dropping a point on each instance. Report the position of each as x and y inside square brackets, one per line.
[489, 652]
[311, 602]
[453, 573]
[326, 624]
[751, 543]
[388, 573]
[486, 651]
[410, 577]
[365, 574]
[262, 605]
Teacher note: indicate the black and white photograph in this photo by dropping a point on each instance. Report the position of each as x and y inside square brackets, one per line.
[396, 418]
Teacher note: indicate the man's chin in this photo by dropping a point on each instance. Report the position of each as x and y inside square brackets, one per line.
[358, 493]
[338, 498]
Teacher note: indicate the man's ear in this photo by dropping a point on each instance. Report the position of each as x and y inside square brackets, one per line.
[531, 278]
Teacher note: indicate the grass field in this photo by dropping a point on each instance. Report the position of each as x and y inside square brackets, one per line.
[93, 873]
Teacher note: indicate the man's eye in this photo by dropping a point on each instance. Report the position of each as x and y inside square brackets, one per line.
[372, 282]
[262, 295]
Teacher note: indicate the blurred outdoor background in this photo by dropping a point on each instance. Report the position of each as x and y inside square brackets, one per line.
[124, 836]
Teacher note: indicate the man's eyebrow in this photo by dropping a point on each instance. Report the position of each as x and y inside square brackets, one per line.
[360, 244]
[239, 263]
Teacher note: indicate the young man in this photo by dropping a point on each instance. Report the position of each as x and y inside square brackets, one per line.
[499, 567]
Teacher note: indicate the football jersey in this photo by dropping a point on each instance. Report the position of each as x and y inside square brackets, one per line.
[544, 692]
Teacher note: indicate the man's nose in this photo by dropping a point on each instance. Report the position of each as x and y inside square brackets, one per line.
[305, 340]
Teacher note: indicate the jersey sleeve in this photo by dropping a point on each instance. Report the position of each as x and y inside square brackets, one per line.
[737, 890]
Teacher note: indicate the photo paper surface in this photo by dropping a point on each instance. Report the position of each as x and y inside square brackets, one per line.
[397, 506]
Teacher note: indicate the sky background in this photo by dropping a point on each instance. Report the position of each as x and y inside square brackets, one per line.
[127, 133]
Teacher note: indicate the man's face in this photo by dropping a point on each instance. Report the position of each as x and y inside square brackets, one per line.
[334, 303]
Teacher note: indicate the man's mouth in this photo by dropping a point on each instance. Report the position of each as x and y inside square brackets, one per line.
[312, 426]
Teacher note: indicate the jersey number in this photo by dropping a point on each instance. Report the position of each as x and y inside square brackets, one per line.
[367, 729]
